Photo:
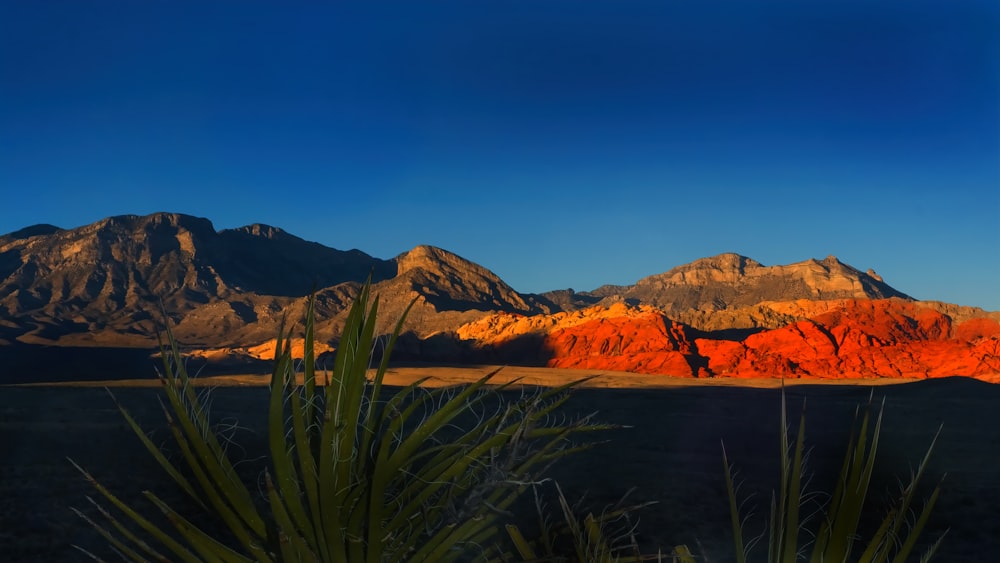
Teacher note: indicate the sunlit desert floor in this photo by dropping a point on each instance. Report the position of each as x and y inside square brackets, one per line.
[668, 451]
[438, 376]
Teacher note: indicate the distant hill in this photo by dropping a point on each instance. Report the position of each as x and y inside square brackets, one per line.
[731, 281]
[108, 285]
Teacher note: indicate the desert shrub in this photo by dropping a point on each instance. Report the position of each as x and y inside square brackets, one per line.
[352, 476]
[839, 518]
[608, 537]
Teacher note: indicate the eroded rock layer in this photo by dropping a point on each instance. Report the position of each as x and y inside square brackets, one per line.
[846, 339]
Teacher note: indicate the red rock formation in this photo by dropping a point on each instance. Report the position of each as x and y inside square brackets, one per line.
[848, 339]
[648, 343]
[882, 338]
[263, 351]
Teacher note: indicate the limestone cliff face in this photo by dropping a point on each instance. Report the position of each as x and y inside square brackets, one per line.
[103, 283]
[446, 290]
[730, 281]
[499, 327]
[80, 278]
[449, 282]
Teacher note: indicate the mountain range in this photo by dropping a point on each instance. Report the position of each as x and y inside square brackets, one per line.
[104, 290]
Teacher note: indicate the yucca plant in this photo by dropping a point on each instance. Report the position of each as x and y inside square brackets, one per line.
[608, 537]
[839, 519]
[352, 477]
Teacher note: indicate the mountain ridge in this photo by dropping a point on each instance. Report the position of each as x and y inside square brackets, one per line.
[730, 280]
[109, 283]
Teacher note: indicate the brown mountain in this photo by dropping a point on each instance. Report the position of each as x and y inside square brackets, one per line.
[66, 295]
[731, 281]
[446, 290]
[103, 284]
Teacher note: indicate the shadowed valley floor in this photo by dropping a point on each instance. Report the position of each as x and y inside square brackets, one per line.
[671, 453]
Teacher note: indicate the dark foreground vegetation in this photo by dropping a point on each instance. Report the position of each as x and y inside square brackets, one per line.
[459, 464]
[671, 455]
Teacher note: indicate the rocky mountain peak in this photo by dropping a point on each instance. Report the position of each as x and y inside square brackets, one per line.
[727, 261]
[28, 232]
[159, 222]
[449, 281]
[109, 277]
[732, 281]
[832, 279]
[261, 230]
[434, 259]
[722, 268]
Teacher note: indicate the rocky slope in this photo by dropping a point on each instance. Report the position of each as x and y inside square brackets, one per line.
[730, 281]
[885, 338]
[109, 284]
[850, 338]
[104, 283]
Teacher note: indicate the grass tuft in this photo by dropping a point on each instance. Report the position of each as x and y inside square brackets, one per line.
[838, 532]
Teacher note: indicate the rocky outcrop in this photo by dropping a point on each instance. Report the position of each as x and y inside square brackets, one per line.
[730, 282]
[885, 338]
[115, 270]
[445, 290]
[845, 339]
[648, 343]
[449, 282]
[112, 283]
[108, 283]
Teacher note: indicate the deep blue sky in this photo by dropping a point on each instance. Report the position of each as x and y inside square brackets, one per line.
[560, 144]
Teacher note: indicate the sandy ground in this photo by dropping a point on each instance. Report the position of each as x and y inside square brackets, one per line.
[440, 376]
[669, 451]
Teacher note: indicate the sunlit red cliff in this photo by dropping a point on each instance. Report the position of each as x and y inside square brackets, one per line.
[845, 339]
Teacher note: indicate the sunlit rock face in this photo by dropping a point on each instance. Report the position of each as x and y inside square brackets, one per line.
[847, 339]
[730, 281]
[448, 282]
[880, 338]
[619, 337]
[119, 281]
[110, 282]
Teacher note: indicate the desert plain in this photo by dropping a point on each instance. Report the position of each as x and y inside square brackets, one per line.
[669, 450]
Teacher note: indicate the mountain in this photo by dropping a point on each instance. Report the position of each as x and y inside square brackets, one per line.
[105, 283]
[730, 282]
[66, 293]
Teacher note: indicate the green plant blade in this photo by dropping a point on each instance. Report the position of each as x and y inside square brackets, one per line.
[739, 547]
[170, 543]
[208, 548]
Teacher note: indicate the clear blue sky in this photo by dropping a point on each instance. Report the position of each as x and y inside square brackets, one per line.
[558, 143]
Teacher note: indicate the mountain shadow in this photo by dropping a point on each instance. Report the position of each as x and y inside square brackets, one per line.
[29, 363]
[529, 350]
